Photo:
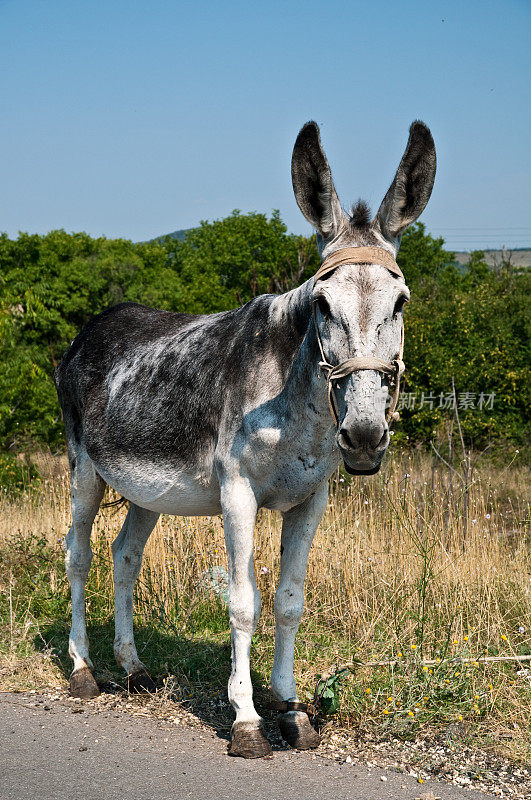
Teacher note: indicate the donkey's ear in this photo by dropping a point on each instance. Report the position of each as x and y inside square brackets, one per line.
[313, 185]
[410, 191]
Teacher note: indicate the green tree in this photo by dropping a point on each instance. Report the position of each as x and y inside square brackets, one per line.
[222, 264]
[50, 286]
[470, 325]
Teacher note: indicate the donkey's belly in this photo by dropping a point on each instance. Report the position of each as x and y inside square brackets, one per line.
[165, 490]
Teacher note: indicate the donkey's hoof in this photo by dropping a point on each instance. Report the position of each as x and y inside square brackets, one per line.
[249, 740]
[82, 684]
[140, 682]
[297, 731]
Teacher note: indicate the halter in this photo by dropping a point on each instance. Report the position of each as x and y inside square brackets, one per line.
[395, 369]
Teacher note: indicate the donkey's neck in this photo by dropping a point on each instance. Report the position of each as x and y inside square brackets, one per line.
[305, 393]
[294, 309]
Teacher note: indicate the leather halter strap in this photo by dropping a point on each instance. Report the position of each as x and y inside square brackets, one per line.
[394, 369]
[358, 255]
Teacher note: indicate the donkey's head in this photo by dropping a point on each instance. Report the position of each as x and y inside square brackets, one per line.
[358, 306]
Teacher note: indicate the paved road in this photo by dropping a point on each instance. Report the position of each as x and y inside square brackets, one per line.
[49, 752]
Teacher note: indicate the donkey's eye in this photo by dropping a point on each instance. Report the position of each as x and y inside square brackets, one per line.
[399, 305]
[322, 305]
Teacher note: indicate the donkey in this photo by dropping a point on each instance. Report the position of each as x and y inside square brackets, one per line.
[230, 412]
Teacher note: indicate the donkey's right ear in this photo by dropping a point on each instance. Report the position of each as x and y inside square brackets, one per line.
[313, 185]
[410, 191]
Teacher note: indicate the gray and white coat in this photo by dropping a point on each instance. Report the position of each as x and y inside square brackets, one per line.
[228, 413]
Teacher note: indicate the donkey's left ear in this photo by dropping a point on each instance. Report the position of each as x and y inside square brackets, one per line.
[410, 191]
[313, 185]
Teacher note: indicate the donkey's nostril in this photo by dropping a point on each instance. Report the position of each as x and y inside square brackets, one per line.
[372, 436]
[345, 439]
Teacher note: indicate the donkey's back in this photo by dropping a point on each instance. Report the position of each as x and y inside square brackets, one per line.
[116, 334]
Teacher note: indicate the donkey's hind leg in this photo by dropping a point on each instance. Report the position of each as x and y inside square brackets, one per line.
[87, 489]
[127, 550]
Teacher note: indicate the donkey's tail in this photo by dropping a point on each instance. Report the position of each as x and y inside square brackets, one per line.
[115, 503]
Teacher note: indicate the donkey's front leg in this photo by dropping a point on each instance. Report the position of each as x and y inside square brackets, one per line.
[298, 529]
[248, 737]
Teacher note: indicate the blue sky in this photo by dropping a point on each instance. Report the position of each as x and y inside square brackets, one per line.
[133, 119]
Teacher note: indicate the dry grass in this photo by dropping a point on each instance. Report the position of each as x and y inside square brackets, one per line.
[404, 566]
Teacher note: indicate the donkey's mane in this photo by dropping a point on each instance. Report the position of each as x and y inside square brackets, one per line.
[360, 215]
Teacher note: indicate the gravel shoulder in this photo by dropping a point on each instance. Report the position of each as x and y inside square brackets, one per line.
[55, 748]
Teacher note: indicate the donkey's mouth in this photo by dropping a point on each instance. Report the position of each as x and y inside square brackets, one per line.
[371, 471]
[361, 462]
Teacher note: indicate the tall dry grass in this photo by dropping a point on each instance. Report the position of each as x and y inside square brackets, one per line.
[405, 565]
[394, 560]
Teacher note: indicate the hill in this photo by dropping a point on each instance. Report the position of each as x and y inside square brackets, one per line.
[179, 235]
[519, 257]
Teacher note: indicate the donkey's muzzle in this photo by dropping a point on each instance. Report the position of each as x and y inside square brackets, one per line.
[363, 446]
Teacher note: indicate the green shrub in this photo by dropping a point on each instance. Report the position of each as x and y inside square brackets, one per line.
[16, 475]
